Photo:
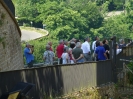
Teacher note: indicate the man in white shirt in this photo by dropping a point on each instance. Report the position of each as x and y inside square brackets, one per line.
[94, 47]
[94, 43]
[86, 49]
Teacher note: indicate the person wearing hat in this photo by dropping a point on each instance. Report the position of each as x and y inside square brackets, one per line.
[29, 55]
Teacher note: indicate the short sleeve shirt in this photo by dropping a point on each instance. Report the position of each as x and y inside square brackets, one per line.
[59, 50]
[49, 55]
[29, 57]
[77, 52]
[100, 52]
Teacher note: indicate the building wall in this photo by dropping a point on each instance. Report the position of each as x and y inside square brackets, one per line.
[10, 36]
[10, 5]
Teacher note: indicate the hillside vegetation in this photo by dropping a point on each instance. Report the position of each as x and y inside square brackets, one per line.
[66, 19]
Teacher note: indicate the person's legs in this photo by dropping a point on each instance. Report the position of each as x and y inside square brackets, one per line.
[87, 57]
[80, 61]
[30, 64]
[58, 61]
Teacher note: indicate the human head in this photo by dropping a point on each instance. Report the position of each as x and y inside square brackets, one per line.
[101, 43]
[87, 39]
[77, 40]
[105, 41]
[121, 41]
[65, 42]
[97, 43]
[61, 42]
[72, 45]
[47, 47]
[78, 45]
[28, 45]
[73, 40]
[96, 38]
[50, 43]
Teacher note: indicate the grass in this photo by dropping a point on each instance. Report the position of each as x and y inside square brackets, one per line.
[104, 92]
[95, 93]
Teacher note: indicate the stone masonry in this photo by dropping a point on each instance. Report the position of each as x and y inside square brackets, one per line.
[10, 46]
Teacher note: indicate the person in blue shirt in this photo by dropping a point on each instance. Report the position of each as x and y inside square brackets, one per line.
[28, 53]
[100, 52]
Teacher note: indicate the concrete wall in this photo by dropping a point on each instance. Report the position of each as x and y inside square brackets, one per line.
[60, 79]
[10, 45]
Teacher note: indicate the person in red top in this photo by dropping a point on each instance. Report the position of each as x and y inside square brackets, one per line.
[59, 51]
[50, 44]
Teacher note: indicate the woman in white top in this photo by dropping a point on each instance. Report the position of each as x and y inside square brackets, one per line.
[65, 56]
[117, 49]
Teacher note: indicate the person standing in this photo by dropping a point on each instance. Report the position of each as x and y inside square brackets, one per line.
[65, 43]
[28, 53]
[122, 43]
[100, 52]
[86, 49]
[94, 45]
[48, 56]
[77, 54]
[106, 47]
[59, 51]
[65, 56]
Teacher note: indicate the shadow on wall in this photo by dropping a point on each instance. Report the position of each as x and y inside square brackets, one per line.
[10, 5]
[104, 72]
[47, 81]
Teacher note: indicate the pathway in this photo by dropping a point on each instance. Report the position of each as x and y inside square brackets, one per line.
[30, 35]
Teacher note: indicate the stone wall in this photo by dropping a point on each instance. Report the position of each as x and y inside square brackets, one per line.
[10, 36]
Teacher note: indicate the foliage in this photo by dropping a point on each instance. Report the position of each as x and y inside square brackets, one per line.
[120, 26]
[130, 75]
[66, 19]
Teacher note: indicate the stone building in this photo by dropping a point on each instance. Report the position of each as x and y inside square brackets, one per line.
[11, 56]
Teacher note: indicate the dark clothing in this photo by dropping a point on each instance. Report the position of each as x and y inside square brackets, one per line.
[97, 43]
[30, 64]
[121, 45]
[76, 52]
[106, 47]
[100, 53]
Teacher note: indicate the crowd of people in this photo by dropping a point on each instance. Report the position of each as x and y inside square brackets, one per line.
[74, 51]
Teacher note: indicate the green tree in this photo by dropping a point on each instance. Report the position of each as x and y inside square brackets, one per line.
[66, 24]
[117, 26]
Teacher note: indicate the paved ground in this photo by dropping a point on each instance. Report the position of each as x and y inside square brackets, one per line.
[29, 35]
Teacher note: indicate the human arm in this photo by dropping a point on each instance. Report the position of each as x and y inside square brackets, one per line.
[104, 52]
[80, 57]
[67, 58]
[105, 55]
[44, 56]
[53, 55]
[28, 50]
[88, 48]
[93, 44]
